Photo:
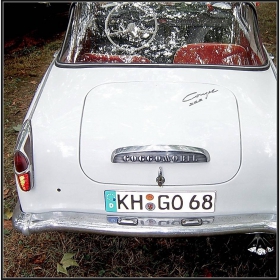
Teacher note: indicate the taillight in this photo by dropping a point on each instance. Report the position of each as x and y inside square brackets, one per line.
[23, 158]
[24, 181]
[21, 162]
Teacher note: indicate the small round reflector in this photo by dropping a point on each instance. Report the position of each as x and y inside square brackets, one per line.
[21, 162]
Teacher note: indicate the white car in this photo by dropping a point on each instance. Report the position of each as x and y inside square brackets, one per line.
[154, 119]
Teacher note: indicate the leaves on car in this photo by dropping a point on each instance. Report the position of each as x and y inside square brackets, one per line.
[66, 261]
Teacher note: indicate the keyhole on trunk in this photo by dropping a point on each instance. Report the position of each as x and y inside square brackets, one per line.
[160, 179]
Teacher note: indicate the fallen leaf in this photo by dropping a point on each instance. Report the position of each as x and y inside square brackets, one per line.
[60, 268]
[17, 128]
[8, 224]
[33, 82]
[69, 262]
[8, 214]
[207, 273]
[66, 262]
[6, 193]
[67, 256]
[39, 259]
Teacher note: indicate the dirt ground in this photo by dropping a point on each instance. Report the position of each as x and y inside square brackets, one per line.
[27, 55]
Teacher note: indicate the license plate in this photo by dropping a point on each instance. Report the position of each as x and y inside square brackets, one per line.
[187, 202]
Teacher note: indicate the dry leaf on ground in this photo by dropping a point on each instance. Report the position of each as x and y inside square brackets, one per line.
[8, 224]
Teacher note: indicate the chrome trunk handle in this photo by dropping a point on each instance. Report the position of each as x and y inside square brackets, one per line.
[160, 154]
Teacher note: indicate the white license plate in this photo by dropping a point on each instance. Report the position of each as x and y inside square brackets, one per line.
[188, 202]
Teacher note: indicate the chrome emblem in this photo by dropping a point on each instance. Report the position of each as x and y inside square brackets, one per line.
[160, 154]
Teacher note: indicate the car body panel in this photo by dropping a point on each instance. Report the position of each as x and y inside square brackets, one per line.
[160, 113]
[58, 141]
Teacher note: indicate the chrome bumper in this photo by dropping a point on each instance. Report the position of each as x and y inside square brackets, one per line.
[28, 223]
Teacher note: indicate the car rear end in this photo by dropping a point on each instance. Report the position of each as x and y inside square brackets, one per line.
[159, 145]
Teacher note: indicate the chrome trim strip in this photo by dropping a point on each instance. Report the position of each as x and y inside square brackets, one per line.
[150, 65]
[159, 154]
[28, 223]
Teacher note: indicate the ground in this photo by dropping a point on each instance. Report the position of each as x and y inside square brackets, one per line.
[27, 54]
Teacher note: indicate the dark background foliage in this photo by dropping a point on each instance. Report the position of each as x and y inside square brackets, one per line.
[38, 19]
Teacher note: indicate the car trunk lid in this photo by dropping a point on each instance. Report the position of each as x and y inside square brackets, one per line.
[151, 117]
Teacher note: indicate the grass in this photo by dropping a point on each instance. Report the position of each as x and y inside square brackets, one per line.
[267, 18]
[107, 256]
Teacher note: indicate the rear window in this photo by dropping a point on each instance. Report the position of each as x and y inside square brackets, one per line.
[220, 33]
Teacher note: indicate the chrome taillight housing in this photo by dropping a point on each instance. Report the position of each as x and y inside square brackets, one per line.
[23, 158]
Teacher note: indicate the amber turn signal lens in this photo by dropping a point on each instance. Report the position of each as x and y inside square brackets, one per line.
[24, 181]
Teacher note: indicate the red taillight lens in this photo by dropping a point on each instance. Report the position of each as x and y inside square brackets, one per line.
[24, 181]
[21, 162]
[23, 158]
[21, 165]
